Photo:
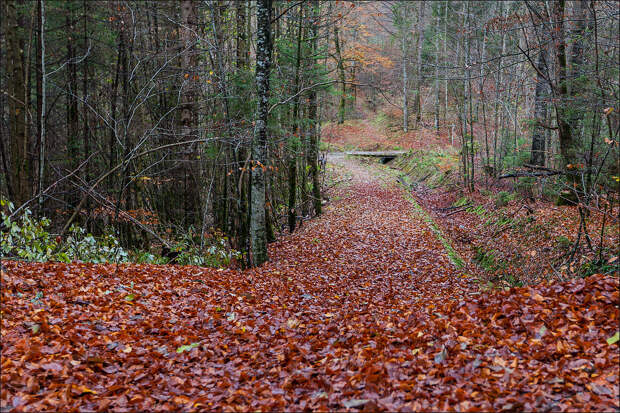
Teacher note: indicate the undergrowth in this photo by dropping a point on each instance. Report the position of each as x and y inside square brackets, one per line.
[451, 252]
[25, 237]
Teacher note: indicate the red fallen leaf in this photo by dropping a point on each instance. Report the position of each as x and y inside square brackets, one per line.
[600, 390]
[17, 401]
[50, 350]
[394, 301]
[111, 369]
[354, 403]
[578, 364]
[80, 390]
[52, 366]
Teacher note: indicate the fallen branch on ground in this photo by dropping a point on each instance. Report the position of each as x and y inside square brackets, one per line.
[522, 174]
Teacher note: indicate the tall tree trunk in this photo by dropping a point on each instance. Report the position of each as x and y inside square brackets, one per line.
[445, 54]
[188, 105]
[41, 104]
[436, 82]
[537, 156]
[483, 98]
[568, 145]
[294, 142]
[258, 248]
[313, 153]
[242, 49]
[578, 79]
[341, 73]
[405, 83]
[470, 99]
[240, 151]
[498, 94]
[418, 74]
[85, 91]
[4, 155]
[72, 104]
[18, 132]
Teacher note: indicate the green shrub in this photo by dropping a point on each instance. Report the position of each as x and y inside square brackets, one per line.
[488, 260]
[461, 202]
[216, 254]
[563, 243]
[146, 257]
[27, 238]
[82, 246]
[598, 267]
[503, 198]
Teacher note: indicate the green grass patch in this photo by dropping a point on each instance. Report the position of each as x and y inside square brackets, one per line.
[450, 251]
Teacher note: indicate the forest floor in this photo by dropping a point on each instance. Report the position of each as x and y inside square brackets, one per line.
[508, 232]
[361, 308]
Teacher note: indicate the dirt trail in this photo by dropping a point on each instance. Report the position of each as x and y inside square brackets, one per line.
[360, 308]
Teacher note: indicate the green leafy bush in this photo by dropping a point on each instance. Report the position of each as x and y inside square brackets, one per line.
[216, 254]
[27, 238]
[503, 198]
[83, 246]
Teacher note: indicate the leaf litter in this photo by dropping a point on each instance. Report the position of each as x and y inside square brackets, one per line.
[359, 309]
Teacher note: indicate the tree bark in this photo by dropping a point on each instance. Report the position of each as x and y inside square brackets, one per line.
[568, 148]
[41, 103]
[258, 248]
[418, 75]
[242, 49]
[436, 82]
[313, 153]
[72, 104]
[18, 132]
[294, 140]
[537, 156]
[405, 84]
[341, 73]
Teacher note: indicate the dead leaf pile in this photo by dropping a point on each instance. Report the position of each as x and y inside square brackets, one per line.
[360, 309]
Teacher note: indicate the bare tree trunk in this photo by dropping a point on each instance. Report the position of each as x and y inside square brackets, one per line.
[483, 97]
[294, 143]
[85, 92]
[567, 142]
[418, 76]
[242, 49]
[41, 104]
[540, 113]
[436, 82]
[258, 239]
[405, 63]
[498, 93]
[314, 121]
[445, 54]
[577, 72]
[18, 134]
[6, 171]
[72, 104]
[341, 73]
[470, 98]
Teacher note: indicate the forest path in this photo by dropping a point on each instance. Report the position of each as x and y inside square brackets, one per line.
[360, 308]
